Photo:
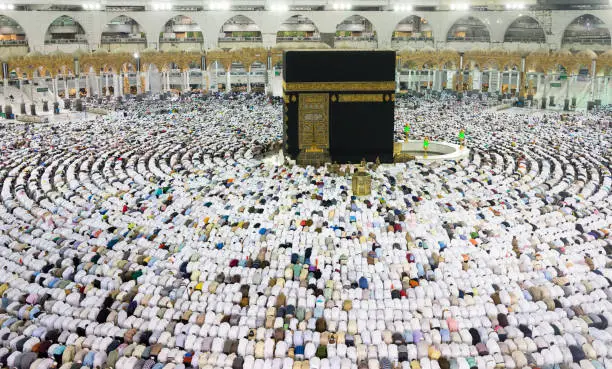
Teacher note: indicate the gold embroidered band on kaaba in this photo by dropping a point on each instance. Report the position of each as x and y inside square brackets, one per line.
[348, 98]
[338, 86]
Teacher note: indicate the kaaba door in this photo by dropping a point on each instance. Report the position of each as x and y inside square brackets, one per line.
[313, 122]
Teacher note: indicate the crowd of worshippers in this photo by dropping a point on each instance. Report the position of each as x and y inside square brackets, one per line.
[157, 237]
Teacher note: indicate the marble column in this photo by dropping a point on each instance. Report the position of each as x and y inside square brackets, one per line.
[593, 77]
[249, 80]
[54, 88]
[433, 82]
[397, 81]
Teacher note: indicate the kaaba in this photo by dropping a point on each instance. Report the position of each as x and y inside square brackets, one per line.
[338, 106]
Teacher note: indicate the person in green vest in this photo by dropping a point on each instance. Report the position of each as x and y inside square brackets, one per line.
[426, 145]
[461, 138]
[407, 129]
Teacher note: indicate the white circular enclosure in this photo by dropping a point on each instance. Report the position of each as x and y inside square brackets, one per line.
[438, 150]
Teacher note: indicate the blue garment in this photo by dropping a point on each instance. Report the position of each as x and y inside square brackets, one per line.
[34, 311]
[363, 283]
[318, 312]
[417, 336]
[89, 359]
[420, 270]
[53, 282]
[408, 337]
[9, 322]
[59, 350]
[445, 335]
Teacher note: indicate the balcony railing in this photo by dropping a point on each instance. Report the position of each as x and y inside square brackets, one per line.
[306, 39]
[241, 73]
[13, 42]
[65, 41]
[240, 39]
[69, 28]
[587, 40]
[407, 38]
[182, 40]
[468, 39]
[355, 38]
[525, 40]
[124, 40]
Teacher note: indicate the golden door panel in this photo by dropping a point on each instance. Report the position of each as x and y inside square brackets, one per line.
[313, 121]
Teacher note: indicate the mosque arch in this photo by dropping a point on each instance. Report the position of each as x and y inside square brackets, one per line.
[180, 29]
[240, 28]
[356, 27]
[468, 29]
[298, 28]
[525, 29]
[123, 29]
[65, 30]
[586, 29]
[11, 32]
[413, 28]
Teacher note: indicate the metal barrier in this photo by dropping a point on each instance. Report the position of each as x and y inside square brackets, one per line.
[470, 39]
[65, 41]
[412, 39]
[181, 40]
[122, 40]
[13, 42]
[309, 39]
[239, 39]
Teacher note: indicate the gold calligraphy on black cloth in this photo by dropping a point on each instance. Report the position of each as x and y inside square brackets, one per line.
[313, 121]
[338, 86]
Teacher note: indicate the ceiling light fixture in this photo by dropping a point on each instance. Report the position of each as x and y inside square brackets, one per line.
[515, 6]
[402, 7]
[161, 6]
[220, 5]
[459, 6]
[342, 6]
[279, 7]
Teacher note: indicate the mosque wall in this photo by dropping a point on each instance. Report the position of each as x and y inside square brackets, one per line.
[490, 62]
[152, 23]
